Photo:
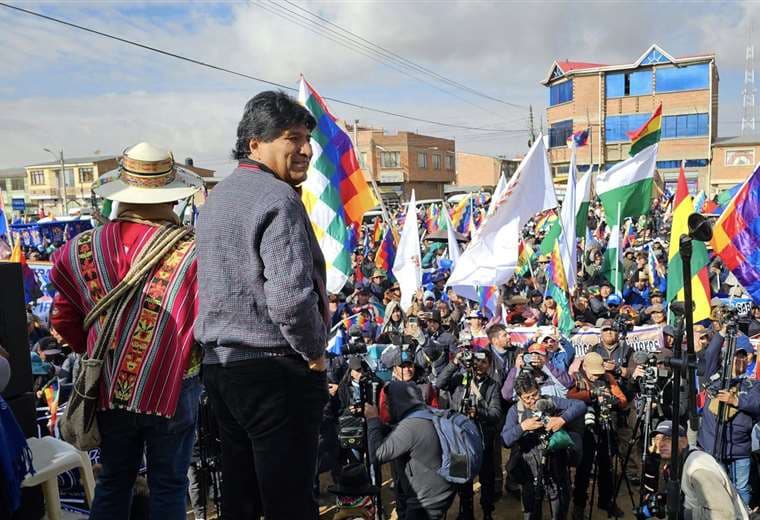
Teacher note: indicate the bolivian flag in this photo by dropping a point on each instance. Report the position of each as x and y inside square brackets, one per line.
[648, 134]
[683, 206]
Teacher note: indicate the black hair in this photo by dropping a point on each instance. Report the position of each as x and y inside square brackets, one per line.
[493, 330]
[266, 116]
[525, 383]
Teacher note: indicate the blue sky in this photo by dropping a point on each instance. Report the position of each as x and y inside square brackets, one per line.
[63, 88]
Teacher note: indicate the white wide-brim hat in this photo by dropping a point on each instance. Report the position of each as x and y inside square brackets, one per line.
[147, 175]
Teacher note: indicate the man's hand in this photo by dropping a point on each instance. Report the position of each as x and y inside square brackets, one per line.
[654, 446]
[530, 424]
[555, 424]
[318, 365]
[332, 389]
[609, 366]
[638, 372]
[728, 397]
[472, 412]
[519, 362]
[457, 358]
[370, 410]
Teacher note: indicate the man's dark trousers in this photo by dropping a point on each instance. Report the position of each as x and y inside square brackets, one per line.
[269, 411]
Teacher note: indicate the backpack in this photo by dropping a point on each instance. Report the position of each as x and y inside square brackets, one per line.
[461, 444]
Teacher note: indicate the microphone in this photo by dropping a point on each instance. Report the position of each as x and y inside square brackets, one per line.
[545, 406]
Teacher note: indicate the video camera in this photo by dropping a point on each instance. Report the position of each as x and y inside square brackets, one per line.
[654, 506]
[603, 402]
[622, 324]
[654, 370]
[355, 344]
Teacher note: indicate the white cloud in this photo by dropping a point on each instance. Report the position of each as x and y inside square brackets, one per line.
[65, 88]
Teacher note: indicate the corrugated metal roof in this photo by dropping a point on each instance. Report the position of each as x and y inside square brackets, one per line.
[9, 173]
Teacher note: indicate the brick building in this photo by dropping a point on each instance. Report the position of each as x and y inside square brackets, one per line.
[405, 161]
[482, 171]
[614, 99]
[733, 160]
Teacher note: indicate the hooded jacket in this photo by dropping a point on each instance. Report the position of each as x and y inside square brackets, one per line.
[413, 441]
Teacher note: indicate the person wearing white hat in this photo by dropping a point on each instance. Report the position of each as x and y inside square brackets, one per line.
[126, 294]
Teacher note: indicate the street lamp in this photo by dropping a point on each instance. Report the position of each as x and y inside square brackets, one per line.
[61, 181]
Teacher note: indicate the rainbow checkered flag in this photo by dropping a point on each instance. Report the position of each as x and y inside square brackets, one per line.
[335, 193]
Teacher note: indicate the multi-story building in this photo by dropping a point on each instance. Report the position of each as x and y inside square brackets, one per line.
[406, 161]
[482, 171]
[13, 186]
[612, 100]
[733, 160]
[46, 187]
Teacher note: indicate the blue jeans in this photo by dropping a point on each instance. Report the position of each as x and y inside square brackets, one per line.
[167, 444]
[738, 471]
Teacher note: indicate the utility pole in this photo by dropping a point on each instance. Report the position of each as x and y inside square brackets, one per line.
[531, 128]
[748, 94]
[61, 180]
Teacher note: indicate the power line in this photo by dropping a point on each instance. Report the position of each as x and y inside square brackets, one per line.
[405, 60]
[236, 73]
[318, 29]
[388, 54]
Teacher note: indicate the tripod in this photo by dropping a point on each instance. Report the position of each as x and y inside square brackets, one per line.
[208, 451]
[641, 430]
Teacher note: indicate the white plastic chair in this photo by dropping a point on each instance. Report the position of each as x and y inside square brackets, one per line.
[50, 458]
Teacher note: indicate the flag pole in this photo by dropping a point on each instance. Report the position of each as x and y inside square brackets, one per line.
[617, 253]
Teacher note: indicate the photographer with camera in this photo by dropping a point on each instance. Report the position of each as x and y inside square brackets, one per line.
[616, 354]
[534, 431]
[707, 492]
[413, 448]
[433, 353]
[355, 385]
[600, 391]
[550, 379]
[475, 394]
[503, 352]
[737, 402]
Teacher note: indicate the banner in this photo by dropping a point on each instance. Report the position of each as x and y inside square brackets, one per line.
[743, 306]
[41, 308]
[647, 337]
[57, 231]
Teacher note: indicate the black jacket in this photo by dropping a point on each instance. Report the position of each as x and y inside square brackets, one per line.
[488, 404]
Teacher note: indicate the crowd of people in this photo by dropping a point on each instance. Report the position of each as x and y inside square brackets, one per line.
[242, 300]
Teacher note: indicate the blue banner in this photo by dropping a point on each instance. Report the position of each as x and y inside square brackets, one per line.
[56, 232]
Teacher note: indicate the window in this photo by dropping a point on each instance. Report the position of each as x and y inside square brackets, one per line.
[38, 177]
[691, 163]
[85, 175]
[684, 125]
[637, 83]
[390, 159]
[436, 161]
[745, 157]
[561, 93]
[449, 159]
[654, 56]
[421, 160]
[559, 132]
[674, 79]
[17, 185]
[616, 128]
[363, 159]
[68, 176]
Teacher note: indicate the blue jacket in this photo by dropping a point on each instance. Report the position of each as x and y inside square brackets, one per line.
[569, 409]
[737, 433]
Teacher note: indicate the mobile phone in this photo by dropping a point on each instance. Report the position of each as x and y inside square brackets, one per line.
[412, 320]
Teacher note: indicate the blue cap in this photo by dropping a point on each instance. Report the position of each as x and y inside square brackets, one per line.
[743, 343]
[614, 299]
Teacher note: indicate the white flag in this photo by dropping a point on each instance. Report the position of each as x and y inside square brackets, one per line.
[498, 191]
[454, 252]
[407, 267]
[491, 257]
[568, 250]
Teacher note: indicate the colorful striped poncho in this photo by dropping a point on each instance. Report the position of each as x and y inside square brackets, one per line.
[154, 344]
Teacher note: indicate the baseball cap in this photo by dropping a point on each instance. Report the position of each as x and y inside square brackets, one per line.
[657, 307]
[537, 348]
[355, 363]
[669, 330]
[666, 428]
[544, 337]
[428, 295]
[614, 299]
[593, 364]
[743, 343]
[605, 325]
[700, 330]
